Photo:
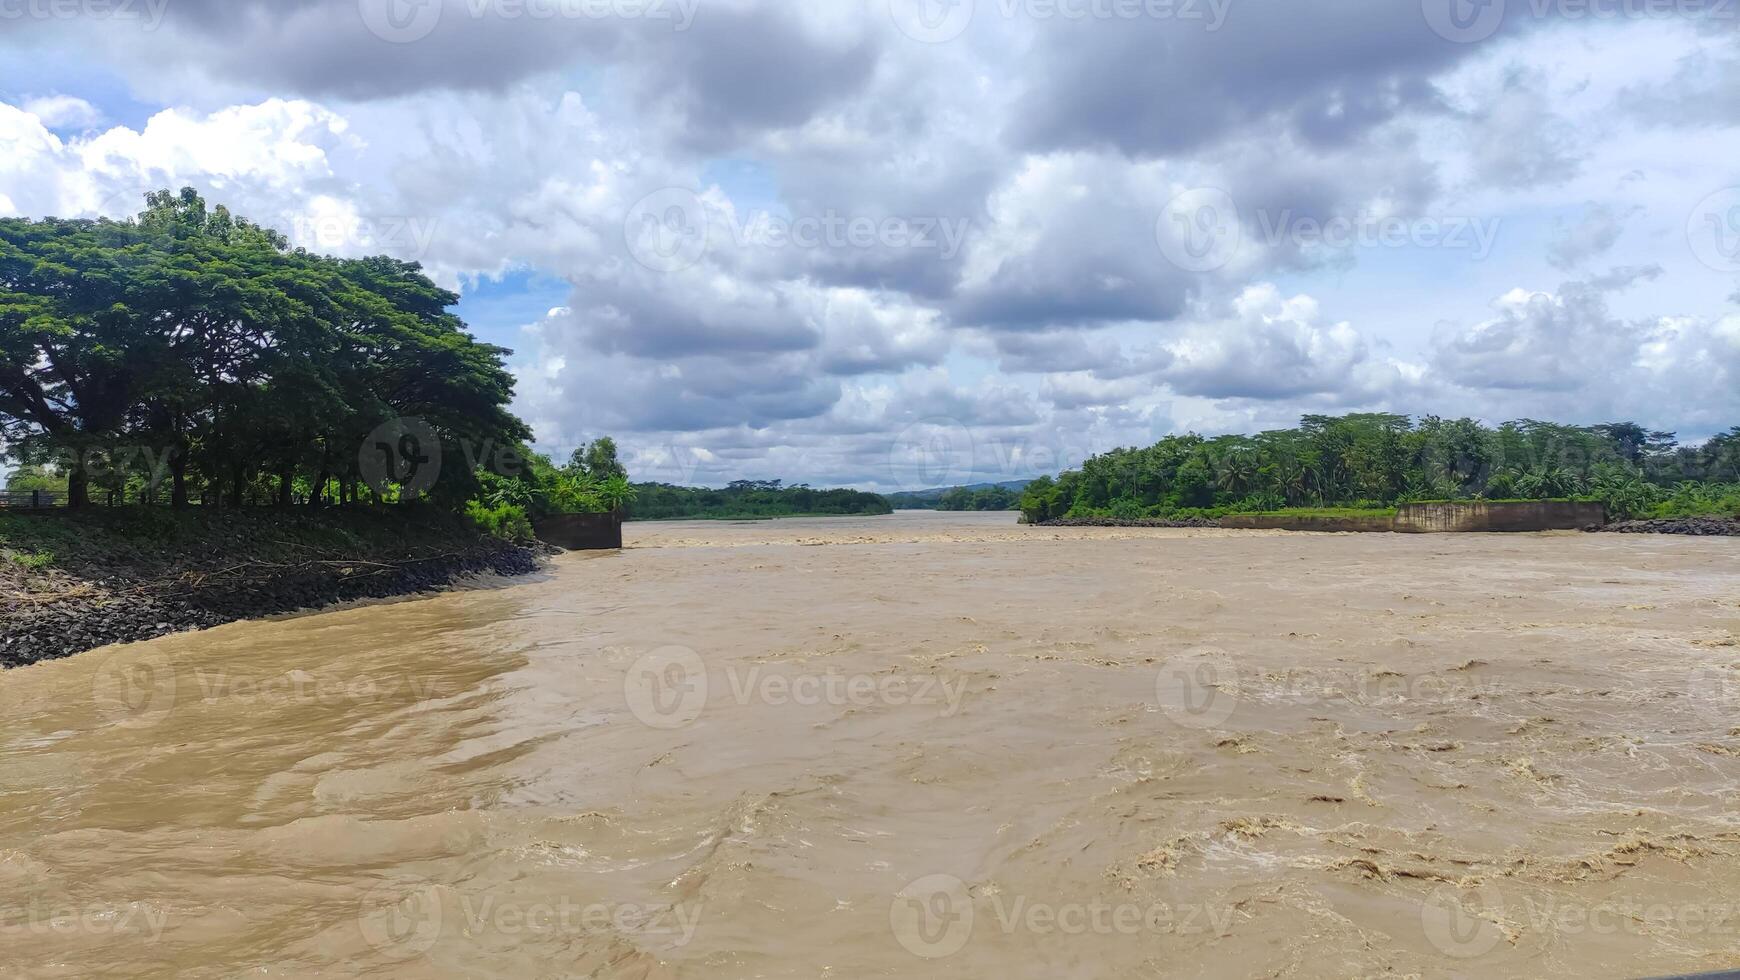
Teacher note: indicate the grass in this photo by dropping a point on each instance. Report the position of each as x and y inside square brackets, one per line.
[33, 560]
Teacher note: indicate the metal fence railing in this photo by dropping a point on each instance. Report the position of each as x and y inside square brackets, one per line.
[31, 499]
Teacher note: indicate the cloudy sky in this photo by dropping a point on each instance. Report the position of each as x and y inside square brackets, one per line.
[903, 243]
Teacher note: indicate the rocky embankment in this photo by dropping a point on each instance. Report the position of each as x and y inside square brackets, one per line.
[1129, 522]
[70, 583]
[1698, 526]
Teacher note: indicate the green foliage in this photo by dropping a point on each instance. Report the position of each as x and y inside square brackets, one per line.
[496, 490]
[594, 481]
[597, 460]
[31, 560]
[1002, 496]
[982, 499]
[1698, 500]
[505, 521]
[1377, 461]
[32, 477]
[193, 348]
[749, 500]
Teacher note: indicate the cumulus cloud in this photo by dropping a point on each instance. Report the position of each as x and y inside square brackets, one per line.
[1021, 280]
[1272, 347]
[63, 111]
[1553, 341]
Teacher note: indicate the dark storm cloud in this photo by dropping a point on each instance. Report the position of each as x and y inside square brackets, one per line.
[721, 69]
[739, 72]
[1326, 72]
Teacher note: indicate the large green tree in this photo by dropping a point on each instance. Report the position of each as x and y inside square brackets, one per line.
[196, 347]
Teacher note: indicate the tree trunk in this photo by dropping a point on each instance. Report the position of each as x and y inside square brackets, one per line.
[178, 480]
[236, 487]
[286, 482]
[78, 488]
[317, 496]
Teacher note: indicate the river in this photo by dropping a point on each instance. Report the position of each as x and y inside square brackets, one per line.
[919, 745]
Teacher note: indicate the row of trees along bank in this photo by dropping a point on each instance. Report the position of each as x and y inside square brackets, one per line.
[195, 341]
[1380, 460]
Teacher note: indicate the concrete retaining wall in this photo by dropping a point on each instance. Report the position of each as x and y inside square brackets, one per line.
[581, 532]
[1539, 515]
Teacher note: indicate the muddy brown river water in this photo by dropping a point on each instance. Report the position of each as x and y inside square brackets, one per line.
[924, 745]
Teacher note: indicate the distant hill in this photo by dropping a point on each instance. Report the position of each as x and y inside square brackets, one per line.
[930, 499]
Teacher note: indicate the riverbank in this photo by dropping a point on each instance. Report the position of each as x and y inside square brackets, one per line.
[73, 582]
[1701, 527]
[1188, 522]
[1438, 518]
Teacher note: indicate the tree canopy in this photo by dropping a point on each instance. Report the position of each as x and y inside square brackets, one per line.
[193, 346]
[750, 499]
[1382, 460]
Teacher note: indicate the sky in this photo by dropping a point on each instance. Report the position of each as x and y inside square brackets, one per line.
[897, 244]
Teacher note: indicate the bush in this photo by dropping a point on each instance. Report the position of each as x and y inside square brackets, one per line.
[32, 560]
[505, 521]
[1700, 500]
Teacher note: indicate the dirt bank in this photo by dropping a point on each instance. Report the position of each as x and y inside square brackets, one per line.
[70, 583]
[1696, 526]
[1188, 522]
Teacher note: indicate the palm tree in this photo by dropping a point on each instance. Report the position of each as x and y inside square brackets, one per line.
[616, 492]
[1238, 469]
